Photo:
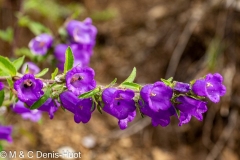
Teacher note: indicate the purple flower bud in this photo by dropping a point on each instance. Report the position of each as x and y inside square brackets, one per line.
[162, 117]
[33, 115]
[40, 44]
[81, 55]
[49, 106]
[5, 133]
[82, 32]
[1, 86]
[211, 87]
[32, 68]
[123, 123]
[80, 80]
[190, 107]
[157, 96]
[120, 104]
[181, 87]
[28, 88]
[81, 108]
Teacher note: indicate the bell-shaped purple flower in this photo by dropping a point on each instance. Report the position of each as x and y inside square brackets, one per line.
[33, 115]
[81, 55]
[80, 80]
[82, 32]
[40, 44]
[6, 133]
[190, 107]
[32, 68]
[120, 104]
[162, 117]
[211, 86]
[181, 87]
[157, 96]
[1, 86]
[49, 106]
[28, 88]
[123, 123]
[81, 108]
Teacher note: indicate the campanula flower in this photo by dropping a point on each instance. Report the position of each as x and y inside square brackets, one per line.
[190, 107]
[161, 117]
[28, 88]
[80, 80]
[211, 86]
[181, 87]
[33, 115]
[157, 96]
[32, 68]
[120, 104]
[5, 133]
[40, 44]
[82, 32]
[81, 108]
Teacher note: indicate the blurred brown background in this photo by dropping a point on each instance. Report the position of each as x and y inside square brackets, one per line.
[185, 39]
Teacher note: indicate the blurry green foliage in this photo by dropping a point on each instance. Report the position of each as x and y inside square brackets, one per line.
[52, 9]
[215, 48]
[104, 15]
[7, 35]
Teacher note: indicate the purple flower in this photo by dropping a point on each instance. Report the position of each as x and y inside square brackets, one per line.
[80, 80]
[190, 107]
[32, 68]
[157, 96]
[1, 86]
[120, 104]
[33, 115]
[211, 87]
[49, 106]
[81, 108]
[5, 133]
[123, 123]
[40, 44]
[81, 55]
[162, 117]
[181, 87]
[28, 88]
[82, 32]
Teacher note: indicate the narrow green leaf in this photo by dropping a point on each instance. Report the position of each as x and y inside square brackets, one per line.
[42, 73]
[1, 97]
[112, 83]
[42, 100]
[131, 76]
[53, 75]
[90, 93]
[166, 82]
[130, 85]
[27, 70]
[18, 62]
[7, 66]
[69, 60]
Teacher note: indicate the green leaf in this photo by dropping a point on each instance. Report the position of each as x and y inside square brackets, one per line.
[7, 66]
[42, 73]
[1, 97]
[112, 83]
[24, 52]
[26, 70]
[130, 85]
[90, 93]
[69, 60]
[7, 35]
[18, 62]
[42, 100]
[168, 82]
[131, 76]
[53, 75]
